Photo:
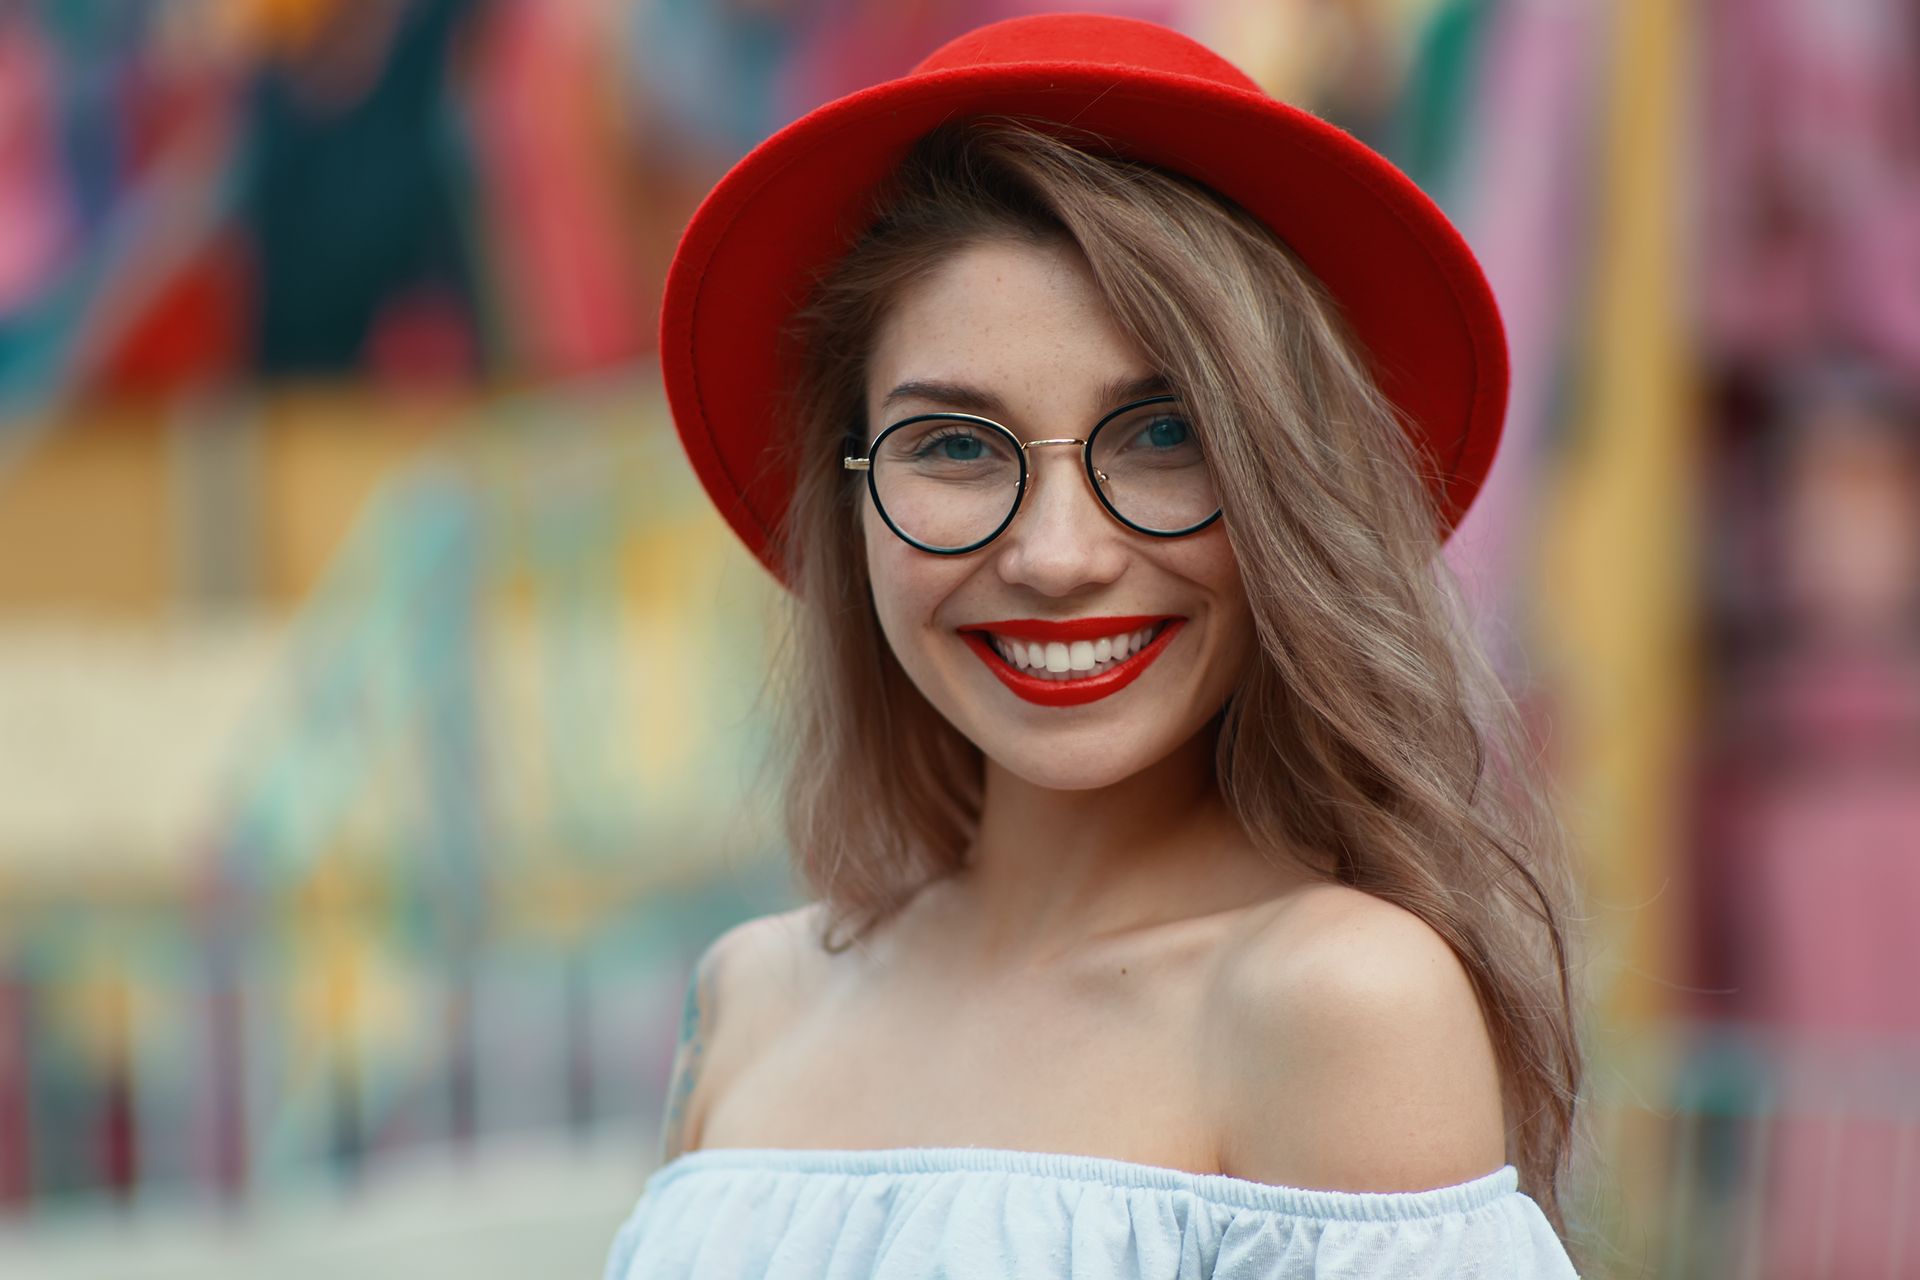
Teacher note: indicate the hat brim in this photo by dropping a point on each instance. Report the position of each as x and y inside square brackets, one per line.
[1405, 280]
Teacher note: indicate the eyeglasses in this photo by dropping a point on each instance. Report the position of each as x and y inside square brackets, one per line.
[951, 483]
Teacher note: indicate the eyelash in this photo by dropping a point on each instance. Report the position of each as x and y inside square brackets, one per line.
[951, 431]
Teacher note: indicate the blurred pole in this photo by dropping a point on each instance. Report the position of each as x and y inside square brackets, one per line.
[462, 1100]
[119, 1136]
[220, 905]
[579, 1057]
[16, 1111]
[227, 1076]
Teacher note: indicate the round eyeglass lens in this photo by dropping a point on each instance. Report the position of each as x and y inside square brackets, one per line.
[945, 482]
[1149, 467]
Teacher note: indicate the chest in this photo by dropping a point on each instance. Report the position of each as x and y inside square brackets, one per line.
[1105, 1060]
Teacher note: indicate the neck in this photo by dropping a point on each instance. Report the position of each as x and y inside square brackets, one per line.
[1053, 870]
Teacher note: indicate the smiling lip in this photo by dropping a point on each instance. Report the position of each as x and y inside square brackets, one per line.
[1070, 693]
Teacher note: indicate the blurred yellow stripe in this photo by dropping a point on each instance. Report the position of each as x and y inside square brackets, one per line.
[1619, 560]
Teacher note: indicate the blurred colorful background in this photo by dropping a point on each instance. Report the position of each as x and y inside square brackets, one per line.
[382, 708]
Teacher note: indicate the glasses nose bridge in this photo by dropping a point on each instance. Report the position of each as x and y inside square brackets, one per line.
[1079, 443]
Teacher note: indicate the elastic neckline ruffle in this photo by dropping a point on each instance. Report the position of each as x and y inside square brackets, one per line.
[1302, 1202]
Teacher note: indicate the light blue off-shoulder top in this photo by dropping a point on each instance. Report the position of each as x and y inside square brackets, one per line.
[984, 1213]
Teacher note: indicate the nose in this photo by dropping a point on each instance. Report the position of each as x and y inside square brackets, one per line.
[1062, 540]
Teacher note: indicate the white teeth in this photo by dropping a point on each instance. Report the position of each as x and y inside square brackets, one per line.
[1074, 660]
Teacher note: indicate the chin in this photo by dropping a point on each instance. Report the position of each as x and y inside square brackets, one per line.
[1051, 776]
[1062, 764]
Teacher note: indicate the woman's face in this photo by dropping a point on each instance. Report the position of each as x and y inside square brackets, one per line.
[1018, 333]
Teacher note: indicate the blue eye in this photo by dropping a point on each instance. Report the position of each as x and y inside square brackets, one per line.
[1167, 433]
[959, 448]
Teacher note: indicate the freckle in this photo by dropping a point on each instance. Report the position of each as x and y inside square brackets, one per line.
[1123, 968]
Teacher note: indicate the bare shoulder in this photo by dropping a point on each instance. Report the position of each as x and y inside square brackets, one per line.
[1347, 1051]
[744, 986]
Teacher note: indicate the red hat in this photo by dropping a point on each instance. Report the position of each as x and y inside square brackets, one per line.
[1407, 283]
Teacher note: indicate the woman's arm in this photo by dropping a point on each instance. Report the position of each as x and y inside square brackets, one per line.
[697, 1025]
[742, 990]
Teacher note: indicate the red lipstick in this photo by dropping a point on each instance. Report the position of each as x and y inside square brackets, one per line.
[1070, 693]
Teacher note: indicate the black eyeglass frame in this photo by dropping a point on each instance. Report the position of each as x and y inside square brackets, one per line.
[1020, 488]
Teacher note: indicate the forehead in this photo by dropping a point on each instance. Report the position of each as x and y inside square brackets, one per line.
[1023, 322]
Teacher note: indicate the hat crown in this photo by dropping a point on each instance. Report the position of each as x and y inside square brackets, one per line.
[1101, 39]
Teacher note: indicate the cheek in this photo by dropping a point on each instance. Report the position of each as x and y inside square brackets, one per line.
[1233, 591]
[1206, 559]
[1209, 561]
[905, 591]
[883, 568]
[1241, 643]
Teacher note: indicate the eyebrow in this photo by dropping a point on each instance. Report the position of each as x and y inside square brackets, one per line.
[970, 399]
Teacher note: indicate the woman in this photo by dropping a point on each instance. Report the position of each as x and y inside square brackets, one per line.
[1179, 885]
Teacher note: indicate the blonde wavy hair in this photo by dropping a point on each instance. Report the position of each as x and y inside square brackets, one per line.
[1368, 725]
